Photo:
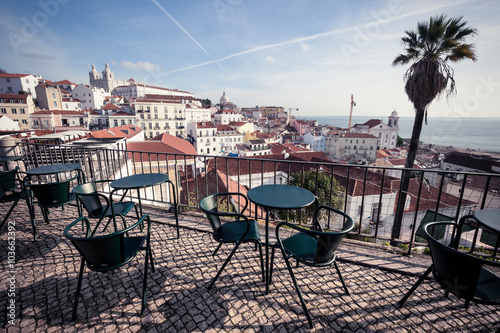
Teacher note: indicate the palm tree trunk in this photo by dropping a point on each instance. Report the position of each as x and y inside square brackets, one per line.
[406, 175]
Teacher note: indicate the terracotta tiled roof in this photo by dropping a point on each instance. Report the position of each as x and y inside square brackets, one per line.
[110, 106]
[124, 131]
[13, 75]
[163, 143]
[357, 135]
[64, 82]
[205, 124]
[14, 96]
[237, 123]
[224, 128]
[69, 112]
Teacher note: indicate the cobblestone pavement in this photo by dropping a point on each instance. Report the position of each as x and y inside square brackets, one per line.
[46, 273]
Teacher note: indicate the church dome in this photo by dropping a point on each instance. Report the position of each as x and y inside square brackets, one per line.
[224, 99]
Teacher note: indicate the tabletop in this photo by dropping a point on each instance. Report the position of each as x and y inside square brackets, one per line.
[490, 218]
[280, 196]
[139, 181]
[54, 168]
[11, 158]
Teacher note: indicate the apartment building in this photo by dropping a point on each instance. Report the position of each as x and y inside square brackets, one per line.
[346, 145]
[91, 97]
[49, 97]
[14, 83]
[17, 107]
[161, 114]
[204, 138]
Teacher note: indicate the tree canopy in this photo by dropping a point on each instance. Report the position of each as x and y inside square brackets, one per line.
[326, 188]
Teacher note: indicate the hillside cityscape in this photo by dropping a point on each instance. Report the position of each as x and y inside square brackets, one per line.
[41, 110]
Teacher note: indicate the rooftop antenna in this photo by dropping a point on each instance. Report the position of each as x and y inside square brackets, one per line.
[353, 104]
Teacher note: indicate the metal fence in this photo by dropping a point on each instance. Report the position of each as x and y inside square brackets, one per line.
[368, 194]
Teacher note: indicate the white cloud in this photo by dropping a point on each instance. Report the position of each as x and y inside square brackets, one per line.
[270, 59]
[305, 47]
[141, 65]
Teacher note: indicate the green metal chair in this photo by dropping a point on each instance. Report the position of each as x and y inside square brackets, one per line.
[314, 248]
[109, 252]
[49, 195]
[92, 201]
[242, 230]
[462, 274]
[12, 189]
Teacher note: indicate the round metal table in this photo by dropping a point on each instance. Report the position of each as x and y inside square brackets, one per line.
[278, 197]
[490, 220]
[53, 169]
[143, 180]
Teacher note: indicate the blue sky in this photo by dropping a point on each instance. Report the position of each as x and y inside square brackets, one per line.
[309, 55]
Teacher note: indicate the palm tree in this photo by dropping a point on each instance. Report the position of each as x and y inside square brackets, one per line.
[429, 48]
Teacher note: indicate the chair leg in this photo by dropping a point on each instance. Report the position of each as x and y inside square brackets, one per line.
[341, 278]
[175, 209]
[271, 266]
[217, 249]
[302, 302]
[45, 213]
[224, 265]
[78, 288]
[261, 261]
[9, 212]
[415, 286]
[145, 279]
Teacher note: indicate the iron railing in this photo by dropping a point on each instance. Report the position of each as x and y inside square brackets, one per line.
[368, 194]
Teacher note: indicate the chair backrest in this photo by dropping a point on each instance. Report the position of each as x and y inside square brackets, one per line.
[455, 271]
[52, 194]
[209, 206]
[100, 252]
[8, 179]
[88, 196]
[328, 242]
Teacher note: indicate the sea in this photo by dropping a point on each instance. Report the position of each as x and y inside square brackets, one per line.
[478, 134]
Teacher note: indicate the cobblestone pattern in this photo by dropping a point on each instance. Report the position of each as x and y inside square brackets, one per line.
[178, 300]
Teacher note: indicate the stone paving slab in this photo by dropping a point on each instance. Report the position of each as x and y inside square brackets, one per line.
[46, 273]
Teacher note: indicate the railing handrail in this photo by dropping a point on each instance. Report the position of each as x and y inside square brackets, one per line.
[192, 172]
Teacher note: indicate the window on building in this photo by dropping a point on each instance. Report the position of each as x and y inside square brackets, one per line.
[148, 108]
[55, 104]
[3, 110]
[156, 109]
[156, 116]
[14, 111]
[150, 125]
[24, 121]
[53, 95]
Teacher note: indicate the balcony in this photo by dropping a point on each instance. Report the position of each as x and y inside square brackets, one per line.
[377, 275]
[377, 279]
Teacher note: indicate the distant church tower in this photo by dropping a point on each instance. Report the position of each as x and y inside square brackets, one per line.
[394, 120]
[93, 75]
[105, 81]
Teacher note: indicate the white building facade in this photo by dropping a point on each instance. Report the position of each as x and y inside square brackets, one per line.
[90, 97]
[204, 137]
[14, 83]
[387, 134]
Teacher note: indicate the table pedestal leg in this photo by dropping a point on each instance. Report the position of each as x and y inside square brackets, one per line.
[267, 251]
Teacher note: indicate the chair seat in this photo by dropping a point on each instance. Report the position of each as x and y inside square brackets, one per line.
[301, 246]
[56, 203]
[122, 208]
[13, 196]
[232, 231]
[488, 287]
